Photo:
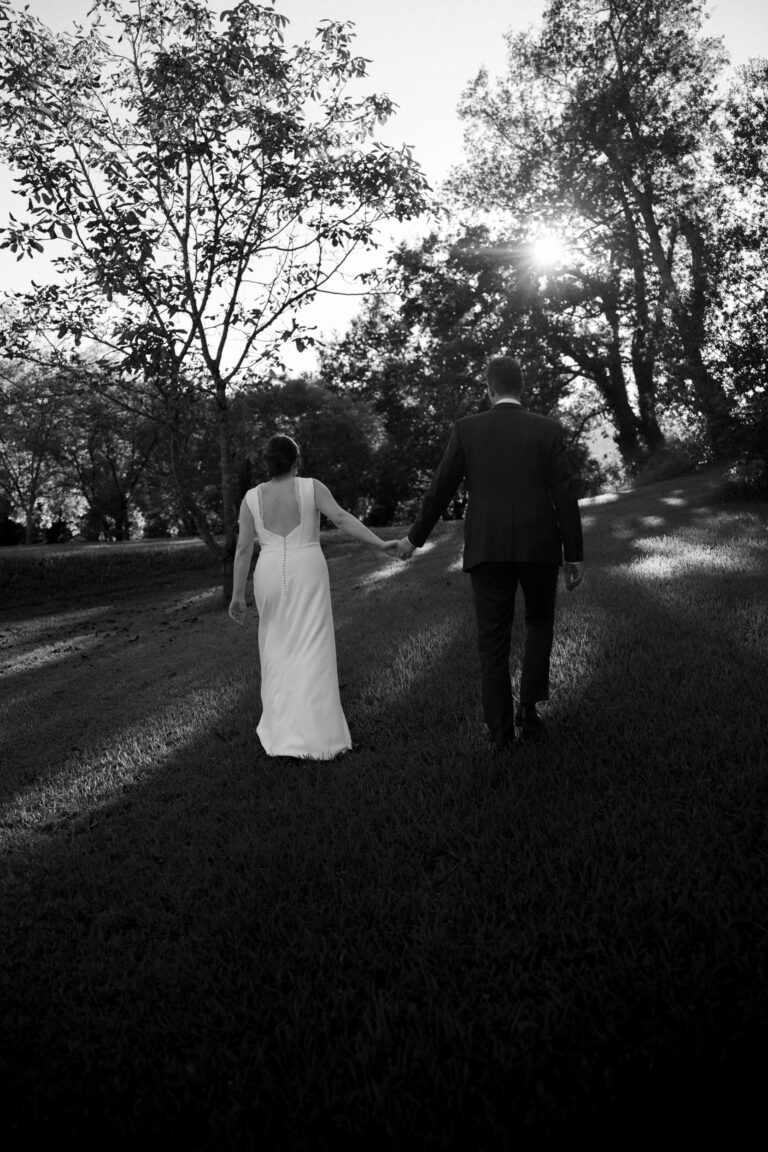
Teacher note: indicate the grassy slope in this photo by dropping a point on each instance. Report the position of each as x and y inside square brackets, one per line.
[54, 574]
[416, 945]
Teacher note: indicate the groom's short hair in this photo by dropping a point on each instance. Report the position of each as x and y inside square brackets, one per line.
[505, 375]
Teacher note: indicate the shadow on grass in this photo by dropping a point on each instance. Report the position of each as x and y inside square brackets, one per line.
[70, 703]
[78, 677]
[412, 946]
[657, 510]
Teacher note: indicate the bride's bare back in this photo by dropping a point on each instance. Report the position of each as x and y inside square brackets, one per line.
[280, 508]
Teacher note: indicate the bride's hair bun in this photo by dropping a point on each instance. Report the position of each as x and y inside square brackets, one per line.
[280, 455]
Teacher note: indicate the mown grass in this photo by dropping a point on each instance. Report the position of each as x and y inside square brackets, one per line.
[34, 575]
[416, 946]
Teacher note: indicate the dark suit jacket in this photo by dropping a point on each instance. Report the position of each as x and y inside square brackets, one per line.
[522, 502]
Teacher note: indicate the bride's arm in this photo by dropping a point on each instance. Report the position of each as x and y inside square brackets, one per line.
[346, 521]
[245, 540]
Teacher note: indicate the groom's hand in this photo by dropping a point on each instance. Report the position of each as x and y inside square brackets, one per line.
[404, 549]
[573, 574]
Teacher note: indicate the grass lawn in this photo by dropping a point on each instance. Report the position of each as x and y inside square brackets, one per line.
[417, 946]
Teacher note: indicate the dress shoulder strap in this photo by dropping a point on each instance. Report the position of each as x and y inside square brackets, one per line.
[253, 500]
[310, 482]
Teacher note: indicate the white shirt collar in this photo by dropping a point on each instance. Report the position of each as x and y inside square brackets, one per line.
[508, 400]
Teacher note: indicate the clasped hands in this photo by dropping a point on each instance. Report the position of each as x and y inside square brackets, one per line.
[402, 549]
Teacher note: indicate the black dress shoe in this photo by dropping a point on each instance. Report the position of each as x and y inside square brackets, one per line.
[529, 723]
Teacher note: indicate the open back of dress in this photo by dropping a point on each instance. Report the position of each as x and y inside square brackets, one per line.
[301, 708]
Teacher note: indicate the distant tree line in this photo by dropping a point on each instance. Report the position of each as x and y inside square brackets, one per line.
[73, 462]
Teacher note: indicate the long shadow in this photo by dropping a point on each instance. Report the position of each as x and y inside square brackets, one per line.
[242, 953]
[32, 628]
[61, 710]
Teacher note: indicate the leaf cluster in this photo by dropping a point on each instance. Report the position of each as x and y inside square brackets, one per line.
[207, 181]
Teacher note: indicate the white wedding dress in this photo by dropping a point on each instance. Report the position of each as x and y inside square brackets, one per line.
[302, 713]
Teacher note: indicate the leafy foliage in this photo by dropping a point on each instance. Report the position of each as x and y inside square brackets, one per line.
[742, 161]
[103, 454]
[33, 410]
[338, 436]
[207, 181]
[118, 460]
[598, 131]
[418, 355]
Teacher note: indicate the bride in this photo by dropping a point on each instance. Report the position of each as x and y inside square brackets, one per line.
[302, 713]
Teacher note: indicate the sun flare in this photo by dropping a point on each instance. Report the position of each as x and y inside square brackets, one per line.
[548, 250]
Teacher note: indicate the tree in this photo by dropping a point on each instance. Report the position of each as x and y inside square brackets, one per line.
[338, 436]
[418, 356]
[741, 334]
[600, 131]
[104, 454]
[208, 182]
[32, 410]
[374, 362]
[742, 162]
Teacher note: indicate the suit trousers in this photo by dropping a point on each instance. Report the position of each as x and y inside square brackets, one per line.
[494, 585]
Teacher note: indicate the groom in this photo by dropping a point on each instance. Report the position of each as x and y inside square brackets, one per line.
[521, 517]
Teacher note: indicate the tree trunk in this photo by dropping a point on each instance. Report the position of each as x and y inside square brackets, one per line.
[122, 520]
[608, 375]
[187, 499]
[643, 371]
[644, 337]
[689, 321]
[29, 524]
[629, 427]
[612, 387]
[624, 420]
[229, 509]
[710, 395]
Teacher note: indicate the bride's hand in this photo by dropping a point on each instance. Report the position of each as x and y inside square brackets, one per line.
[237, 611]
[388, 545]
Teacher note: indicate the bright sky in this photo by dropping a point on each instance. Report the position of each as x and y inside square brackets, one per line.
[422, 53]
